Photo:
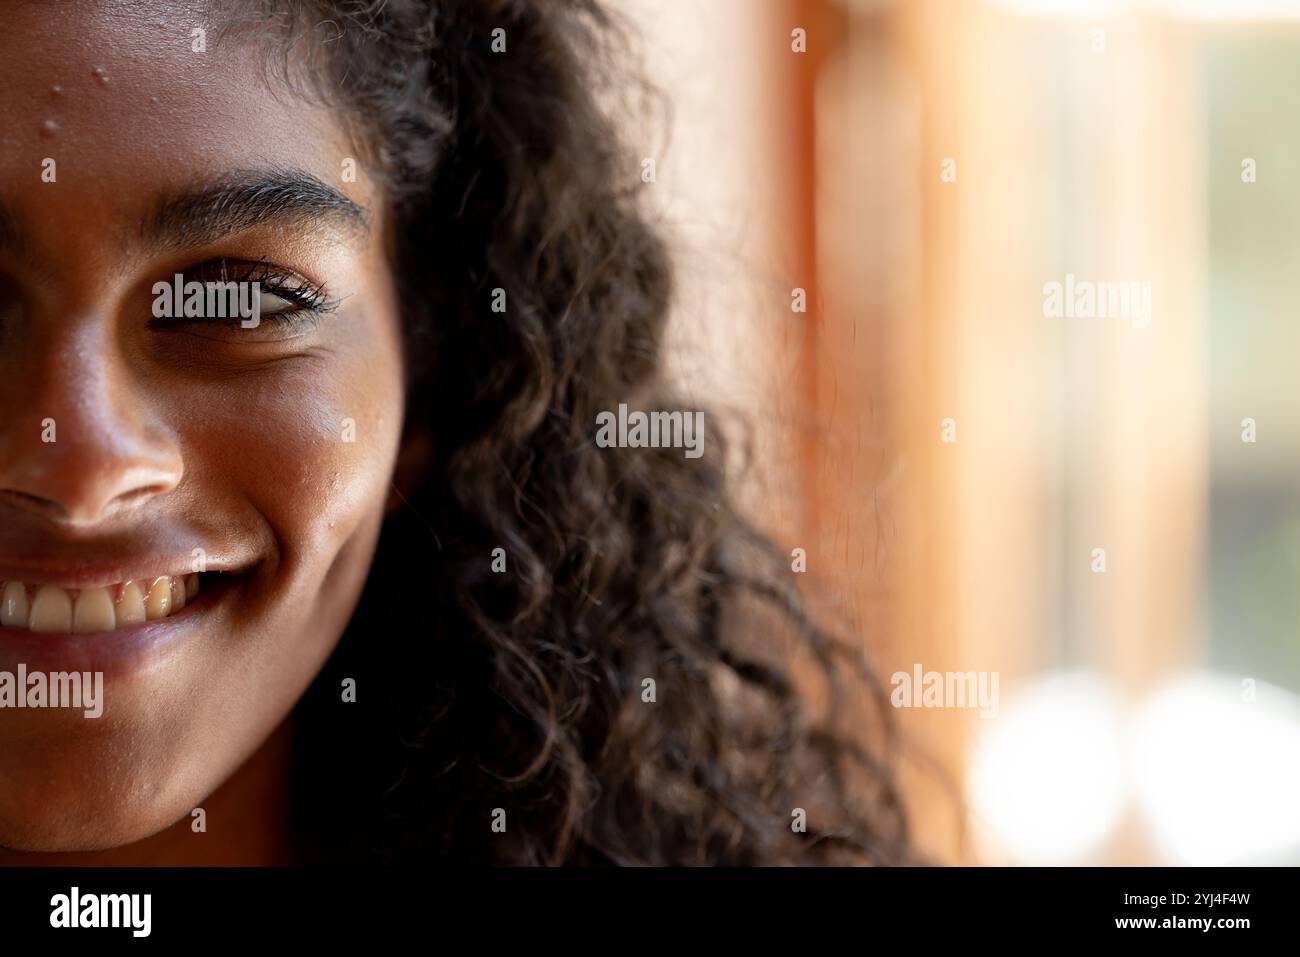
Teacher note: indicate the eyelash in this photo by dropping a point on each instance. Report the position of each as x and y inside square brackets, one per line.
[309, 297]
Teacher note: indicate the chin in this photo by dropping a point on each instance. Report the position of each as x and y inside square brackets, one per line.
[68, 784]
[84, 816]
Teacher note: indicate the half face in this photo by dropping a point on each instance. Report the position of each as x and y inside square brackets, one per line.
[189, 503]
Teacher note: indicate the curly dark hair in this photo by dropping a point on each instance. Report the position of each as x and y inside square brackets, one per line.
[525, 691]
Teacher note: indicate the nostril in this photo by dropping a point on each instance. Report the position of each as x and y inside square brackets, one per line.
[98, 467]
[32, 503]
[81, 506]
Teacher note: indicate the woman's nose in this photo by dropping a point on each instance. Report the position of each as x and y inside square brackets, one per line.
[80, 440]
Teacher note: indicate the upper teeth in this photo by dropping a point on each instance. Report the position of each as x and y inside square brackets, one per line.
[83, 611]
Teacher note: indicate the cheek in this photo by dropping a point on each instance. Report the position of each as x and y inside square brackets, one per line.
[319, 451]
[307, 444]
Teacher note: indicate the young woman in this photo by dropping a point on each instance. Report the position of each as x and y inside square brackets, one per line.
[360, 581]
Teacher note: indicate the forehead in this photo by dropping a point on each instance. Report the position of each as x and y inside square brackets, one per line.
[117, 95]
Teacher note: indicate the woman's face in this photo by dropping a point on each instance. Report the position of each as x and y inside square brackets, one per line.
[128, 442]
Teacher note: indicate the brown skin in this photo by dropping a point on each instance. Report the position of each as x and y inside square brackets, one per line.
[208, 436]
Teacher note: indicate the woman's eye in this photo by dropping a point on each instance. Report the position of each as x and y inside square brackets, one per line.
[241, 295]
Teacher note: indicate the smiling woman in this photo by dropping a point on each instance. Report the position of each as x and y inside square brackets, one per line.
[428, 603]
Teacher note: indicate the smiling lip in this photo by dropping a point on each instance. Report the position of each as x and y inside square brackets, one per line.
[86, 616]
[66, 563]
[121, 651]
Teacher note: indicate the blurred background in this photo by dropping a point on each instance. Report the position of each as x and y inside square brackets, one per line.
[1105, 513]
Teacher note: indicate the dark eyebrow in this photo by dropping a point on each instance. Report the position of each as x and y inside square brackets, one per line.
[241, 200]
